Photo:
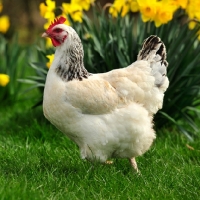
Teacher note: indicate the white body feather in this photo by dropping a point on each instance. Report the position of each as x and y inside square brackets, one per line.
[123, 131]
[106, 115]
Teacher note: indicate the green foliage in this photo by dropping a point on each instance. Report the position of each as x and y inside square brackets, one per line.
[12, 63]
[37, 62]
[114, 43]
[182, 98]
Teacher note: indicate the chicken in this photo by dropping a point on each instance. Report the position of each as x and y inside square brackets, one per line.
[108, 115]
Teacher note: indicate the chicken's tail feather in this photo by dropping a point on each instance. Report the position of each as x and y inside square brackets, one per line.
[154, 51]
[153, 47]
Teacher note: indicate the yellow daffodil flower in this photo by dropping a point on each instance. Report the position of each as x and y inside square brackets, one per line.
[74, 10]
[116, 7]
[47, 11]
[194, 13]
[193, 10]
[85, 4]
[4, 80]
[164, 12]
[43, 9]
[192, 25]
[50, 57]
[123, 7]
[182, 3]
[147, 9]
[48, 43]
[5, 23]
[134, 6]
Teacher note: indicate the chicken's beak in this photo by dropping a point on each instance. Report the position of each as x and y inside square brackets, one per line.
[45, 34]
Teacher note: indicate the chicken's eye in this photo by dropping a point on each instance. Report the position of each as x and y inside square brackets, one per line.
[57, 30]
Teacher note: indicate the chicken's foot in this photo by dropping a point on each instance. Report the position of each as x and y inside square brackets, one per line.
[134, 164]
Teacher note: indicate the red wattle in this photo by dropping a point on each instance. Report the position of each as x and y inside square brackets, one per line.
[55, 42]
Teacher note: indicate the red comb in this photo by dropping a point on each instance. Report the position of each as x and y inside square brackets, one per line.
[57, 21]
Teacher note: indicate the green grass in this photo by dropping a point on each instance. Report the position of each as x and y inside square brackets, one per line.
[39, 162]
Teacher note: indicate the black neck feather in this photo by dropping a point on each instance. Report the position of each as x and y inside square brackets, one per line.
[73, 68]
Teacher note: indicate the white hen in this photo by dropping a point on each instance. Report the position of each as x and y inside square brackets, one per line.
[107, 115]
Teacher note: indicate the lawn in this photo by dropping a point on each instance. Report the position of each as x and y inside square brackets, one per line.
[39, 162]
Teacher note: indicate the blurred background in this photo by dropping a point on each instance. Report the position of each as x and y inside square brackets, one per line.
[25, 17]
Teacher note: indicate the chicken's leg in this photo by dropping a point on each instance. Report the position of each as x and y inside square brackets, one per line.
[134, 164]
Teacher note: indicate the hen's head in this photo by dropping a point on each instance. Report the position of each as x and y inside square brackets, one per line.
[59, 32]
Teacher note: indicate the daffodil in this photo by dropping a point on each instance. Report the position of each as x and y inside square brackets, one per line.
[47, 11]
[164, 12]
[50, 57]
[4, 80]
[193, 24]
[85, 4]
[43, 9]
[193, 9]
[134, 7]
[147, 9]
[180, 3]
[74, 10]
[123, 7]
[5, 23]
[48, 43]
[116, 7]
